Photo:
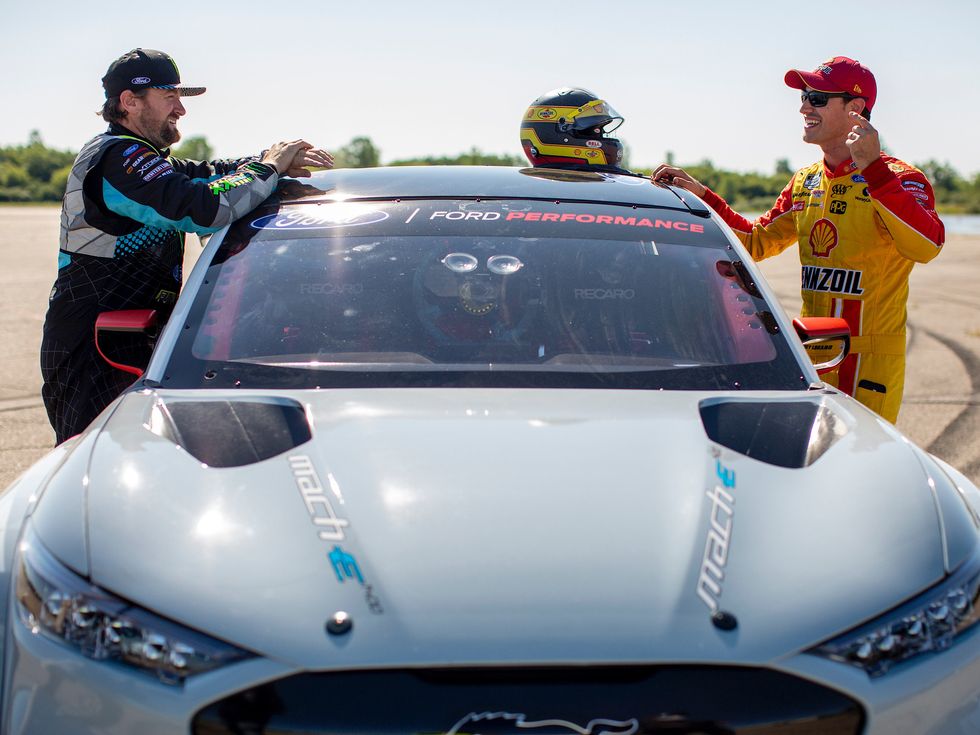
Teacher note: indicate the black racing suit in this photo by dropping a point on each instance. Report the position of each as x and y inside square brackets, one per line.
[125, 212]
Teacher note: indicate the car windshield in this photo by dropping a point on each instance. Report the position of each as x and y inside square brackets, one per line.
[339, 295]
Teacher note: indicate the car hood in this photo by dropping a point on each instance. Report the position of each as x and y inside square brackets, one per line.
[468, 526]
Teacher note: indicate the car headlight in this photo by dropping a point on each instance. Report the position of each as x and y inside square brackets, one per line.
[926, 624]
[55, 602]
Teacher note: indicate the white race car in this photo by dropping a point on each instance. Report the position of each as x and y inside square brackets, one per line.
[486, 450]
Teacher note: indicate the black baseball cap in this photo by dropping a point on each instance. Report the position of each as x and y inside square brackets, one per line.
[144, 68]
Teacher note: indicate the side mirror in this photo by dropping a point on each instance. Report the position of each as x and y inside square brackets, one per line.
[827, 340]
[125, 339]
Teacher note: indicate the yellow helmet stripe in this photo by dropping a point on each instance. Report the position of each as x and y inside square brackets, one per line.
[594, 156]
[544, 113]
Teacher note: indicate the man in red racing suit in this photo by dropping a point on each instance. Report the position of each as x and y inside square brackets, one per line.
[862, 219]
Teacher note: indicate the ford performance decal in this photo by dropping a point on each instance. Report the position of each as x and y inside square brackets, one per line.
[325, 217]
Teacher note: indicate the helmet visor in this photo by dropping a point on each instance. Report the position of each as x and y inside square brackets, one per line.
[597, 114]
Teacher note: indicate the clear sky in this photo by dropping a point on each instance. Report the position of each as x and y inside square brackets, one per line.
[700, 78]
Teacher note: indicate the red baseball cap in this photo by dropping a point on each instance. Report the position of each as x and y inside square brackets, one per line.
[839, 74]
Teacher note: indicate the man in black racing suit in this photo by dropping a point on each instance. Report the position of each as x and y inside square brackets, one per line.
[123, 219]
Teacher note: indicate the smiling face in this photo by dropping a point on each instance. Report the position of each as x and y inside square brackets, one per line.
[154, 115]
[829, 125]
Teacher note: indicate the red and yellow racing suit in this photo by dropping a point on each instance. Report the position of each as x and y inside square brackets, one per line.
[860, 232]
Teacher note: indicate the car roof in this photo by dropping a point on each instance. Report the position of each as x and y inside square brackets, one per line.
[488, 182]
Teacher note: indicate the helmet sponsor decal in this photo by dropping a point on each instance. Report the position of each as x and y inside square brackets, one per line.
[823, 238]
[594, 143]
[547, 114]
[320, 218]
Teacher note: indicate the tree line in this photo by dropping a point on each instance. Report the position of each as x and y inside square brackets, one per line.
[33, 172]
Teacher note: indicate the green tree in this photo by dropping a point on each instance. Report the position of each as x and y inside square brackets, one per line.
[41, 161]
[12, 175]
[942, 175]
[359, 153]
[195, 148]
[473, 157]
[59, 180]
[26, 171]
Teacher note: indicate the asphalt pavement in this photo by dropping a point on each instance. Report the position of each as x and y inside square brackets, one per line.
[941, 410]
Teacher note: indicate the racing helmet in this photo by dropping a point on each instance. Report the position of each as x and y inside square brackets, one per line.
[569, 128]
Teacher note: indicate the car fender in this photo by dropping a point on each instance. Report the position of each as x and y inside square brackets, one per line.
[16, 503]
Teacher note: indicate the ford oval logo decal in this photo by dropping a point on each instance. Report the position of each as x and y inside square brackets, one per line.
[140, 80]
[321, 218]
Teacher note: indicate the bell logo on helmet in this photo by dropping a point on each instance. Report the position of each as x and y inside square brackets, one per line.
[593, 143]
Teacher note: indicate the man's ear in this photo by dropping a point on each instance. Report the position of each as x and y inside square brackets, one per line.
[128, 101]
[857, 105]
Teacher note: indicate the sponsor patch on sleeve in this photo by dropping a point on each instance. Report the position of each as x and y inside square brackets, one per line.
[159, 170]
[227, 183]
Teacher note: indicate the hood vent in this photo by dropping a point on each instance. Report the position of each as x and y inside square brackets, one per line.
[790, 434]
[232, 433]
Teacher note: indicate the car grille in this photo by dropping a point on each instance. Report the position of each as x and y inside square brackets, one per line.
[537, 701]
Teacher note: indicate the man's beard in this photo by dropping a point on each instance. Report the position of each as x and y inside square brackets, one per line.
[167, 135]
[163, 136]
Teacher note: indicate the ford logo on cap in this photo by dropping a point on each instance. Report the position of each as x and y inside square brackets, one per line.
[141, 80]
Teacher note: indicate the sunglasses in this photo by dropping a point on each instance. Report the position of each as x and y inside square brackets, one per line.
[819, 99]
